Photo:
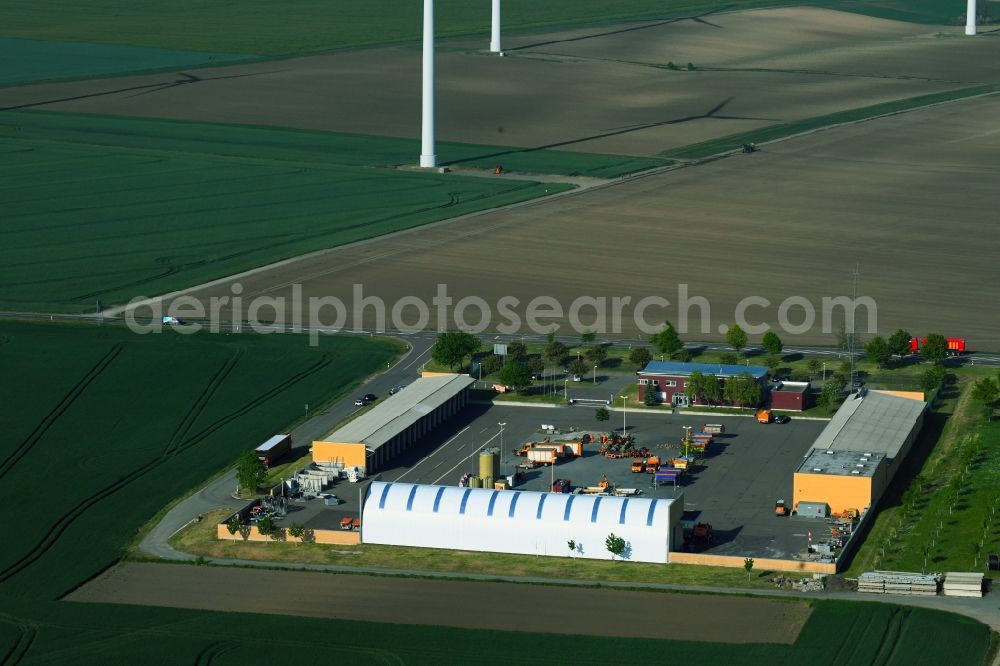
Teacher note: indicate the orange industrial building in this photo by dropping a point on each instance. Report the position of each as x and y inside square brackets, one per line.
[857, 454]
[395, 425]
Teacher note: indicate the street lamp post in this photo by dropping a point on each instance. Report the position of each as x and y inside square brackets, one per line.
[566, 389]
[503, 457]
[595, 375]
[824, 372]
[624, 398]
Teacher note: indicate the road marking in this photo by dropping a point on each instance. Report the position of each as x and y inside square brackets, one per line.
[462, 461]
[417, 358]
[422, 460]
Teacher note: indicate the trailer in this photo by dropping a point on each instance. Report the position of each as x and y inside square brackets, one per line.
[714, 428]
[956, 346]
[273, 449]
[542, 456]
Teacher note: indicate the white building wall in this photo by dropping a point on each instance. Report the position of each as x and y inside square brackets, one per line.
[515, 521]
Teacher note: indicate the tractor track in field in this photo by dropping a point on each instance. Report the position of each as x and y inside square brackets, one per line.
[53, 416]
[26, 637]
[212, 650]
[63, 523]
[199, 405]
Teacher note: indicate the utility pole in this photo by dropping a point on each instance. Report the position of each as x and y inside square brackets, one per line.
[854, 320]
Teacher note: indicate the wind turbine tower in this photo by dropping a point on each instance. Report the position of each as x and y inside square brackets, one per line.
[495, 38]
[970, 18]
[427, 157]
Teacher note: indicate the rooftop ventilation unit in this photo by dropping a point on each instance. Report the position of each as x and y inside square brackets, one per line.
[854, 471]
[829, 453]
[817, 469]
[860, 465]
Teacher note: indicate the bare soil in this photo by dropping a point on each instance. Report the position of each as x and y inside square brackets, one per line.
[604, 90]
[907, 197]
[505, 606]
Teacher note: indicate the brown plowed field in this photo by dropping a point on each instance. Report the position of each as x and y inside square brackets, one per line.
[603, 90]
[503, 606]
[907, 197]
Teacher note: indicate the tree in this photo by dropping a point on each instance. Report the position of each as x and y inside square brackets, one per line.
[711, 389]
[899, 342]
[649, 397]
[878, 351]
[640, 356]
[748, 566]
[830, 397]
[579, 367]
[516, 350]
[986, 392]
[451, 347]
[731, 391]
[772, 361]
[736, 338]
[490, 364]
[695, 385]
[250, 471]
[683, 355]
[265, 526]
[602, 414]
[931, 378]
[296, 531]
[550, 337]
[749, 390]
[667, 341]
[587, 337]
[935, 349]
[233, 525]
[535, 365]
[572, 547]
[772, 343]
[516, 375]
[814, 365]
[596, 354]
[555, 352]
[615, 545]
[728, 358]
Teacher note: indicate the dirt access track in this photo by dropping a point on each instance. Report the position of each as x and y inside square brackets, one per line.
[718, 619]
[603, 89]
[911, 198]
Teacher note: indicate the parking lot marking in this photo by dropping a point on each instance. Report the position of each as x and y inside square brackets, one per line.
[462, 461]
[425, 459]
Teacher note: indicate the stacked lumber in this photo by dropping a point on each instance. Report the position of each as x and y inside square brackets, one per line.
[898, 582]
[963, 584]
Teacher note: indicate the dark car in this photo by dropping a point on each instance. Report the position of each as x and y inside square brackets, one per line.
[396, 389]
[370, 397]
[781, 418]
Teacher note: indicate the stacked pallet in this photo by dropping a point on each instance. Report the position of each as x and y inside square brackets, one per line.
[898, 582]
[963, 584]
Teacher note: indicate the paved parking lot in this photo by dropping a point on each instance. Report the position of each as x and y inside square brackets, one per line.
[734, 489]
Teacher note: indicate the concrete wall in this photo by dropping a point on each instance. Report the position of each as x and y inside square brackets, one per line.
[759, 564]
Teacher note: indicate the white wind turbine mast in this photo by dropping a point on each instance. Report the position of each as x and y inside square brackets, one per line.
[970, 18]
[427, 157]
[495, 35]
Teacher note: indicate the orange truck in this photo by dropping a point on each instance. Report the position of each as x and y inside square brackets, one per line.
[652, 464]
[638, 466]
[764, 416]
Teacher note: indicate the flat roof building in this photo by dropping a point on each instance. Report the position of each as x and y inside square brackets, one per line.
[393, 426]
[858, 453]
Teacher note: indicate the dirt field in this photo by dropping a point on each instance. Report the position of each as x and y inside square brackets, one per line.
[906, 197]
[604, 90]
[431, 602]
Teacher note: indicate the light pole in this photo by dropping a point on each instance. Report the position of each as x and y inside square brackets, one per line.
[824, 372]
[565, 389]
[503, 457]
[495, 32]
[595, 375]
[624, 398]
